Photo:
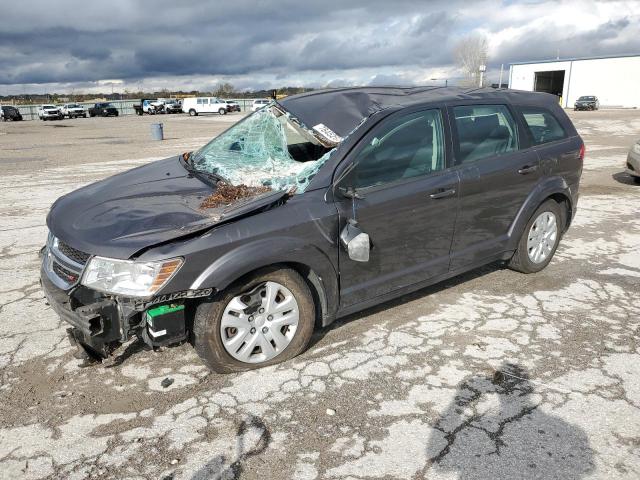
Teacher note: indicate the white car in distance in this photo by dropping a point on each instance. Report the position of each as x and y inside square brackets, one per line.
[73, 110]
[259, 103]
[50, 112]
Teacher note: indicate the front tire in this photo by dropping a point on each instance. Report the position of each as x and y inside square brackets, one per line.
[264, 319]
[539, 239]
[193, 113]
[222, 111]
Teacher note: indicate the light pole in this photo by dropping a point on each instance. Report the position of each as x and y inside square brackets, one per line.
[482, 68]
[446, 81]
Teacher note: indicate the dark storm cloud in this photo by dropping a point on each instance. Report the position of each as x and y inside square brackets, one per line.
[80, 41]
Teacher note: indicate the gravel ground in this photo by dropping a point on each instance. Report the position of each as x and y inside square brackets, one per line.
[490, 375]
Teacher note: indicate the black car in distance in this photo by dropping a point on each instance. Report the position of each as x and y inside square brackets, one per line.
[311, 208]
[10, 113]
[588, 102]
[103, 110]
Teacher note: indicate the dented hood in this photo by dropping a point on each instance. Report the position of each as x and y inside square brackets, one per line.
[137, 209]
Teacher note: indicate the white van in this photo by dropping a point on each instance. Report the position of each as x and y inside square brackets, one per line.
[197, 105]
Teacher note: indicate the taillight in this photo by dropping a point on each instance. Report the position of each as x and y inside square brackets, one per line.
[583, 150]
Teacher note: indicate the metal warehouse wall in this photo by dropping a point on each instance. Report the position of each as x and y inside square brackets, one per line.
[615, 81]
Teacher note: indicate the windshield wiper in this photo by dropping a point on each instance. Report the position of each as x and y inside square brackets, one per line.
[201, 174]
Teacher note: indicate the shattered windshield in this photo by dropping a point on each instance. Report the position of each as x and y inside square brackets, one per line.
[266, 149]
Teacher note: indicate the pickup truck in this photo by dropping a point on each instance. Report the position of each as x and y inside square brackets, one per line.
[150, 106]
[103, 110]
[172, 106]
[50, 112]
[73, 110]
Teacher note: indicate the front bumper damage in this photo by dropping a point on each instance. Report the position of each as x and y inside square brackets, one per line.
[100, 323]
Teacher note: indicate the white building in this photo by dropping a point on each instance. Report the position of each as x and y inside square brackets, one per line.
[614, 80]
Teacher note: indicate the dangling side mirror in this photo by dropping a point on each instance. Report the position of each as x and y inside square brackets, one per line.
[350, 192]
[355, 241]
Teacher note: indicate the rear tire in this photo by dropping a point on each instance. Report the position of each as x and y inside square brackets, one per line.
[532, 255]
[207, 332]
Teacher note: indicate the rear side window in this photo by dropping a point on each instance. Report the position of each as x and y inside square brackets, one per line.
[484, 131]
[405, 147]
[203, 101]
[543, 126]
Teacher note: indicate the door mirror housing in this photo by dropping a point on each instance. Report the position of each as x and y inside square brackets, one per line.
[350, 192]
[355, 241]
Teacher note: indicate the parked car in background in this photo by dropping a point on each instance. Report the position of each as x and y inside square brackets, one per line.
[259, 103]
[103, 110]
[150, 106]
[274, 228]
[172, 106]
[73, 110]
[10, 113]
[588, 102]
[633, 162]
[197, 105]
[50, 112]
[232, 106]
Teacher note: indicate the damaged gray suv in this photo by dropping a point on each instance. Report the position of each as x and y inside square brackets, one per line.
[314, 207]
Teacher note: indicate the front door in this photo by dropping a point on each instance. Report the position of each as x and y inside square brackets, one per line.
[407, 206]
[496, 177]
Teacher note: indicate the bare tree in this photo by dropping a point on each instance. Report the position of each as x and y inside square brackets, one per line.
[470, 53]
[224, 90]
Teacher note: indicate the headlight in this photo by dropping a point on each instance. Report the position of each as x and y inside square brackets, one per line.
[636, 148]
[129, 278]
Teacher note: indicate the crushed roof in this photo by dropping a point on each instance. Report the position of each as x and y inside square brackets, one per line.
[343, 109]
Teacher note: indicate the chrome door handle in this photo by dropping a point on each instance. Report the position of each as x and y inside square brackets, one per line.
[528, 169]
[443, 194]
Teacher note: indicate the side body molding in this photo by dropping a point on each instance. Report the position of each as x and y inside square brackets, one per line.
[546, 188]
[269, 251]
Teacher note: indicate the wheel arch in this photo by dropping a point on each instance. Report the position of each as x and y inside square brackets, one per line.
[555, 188]
[308, 260]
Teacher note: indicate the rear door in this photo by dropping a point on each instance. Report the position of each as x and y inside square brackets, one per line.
[559, 154]
[408, 206]
[202, 105]
[496, 176]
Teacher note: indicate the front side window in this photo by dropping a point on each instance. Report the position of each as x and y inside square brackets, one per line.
[484, 131]
[543, 126]
[405, 147]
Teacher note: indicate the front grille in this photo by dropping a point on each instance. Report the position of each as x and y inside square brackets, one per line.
[72, 253]
[67, 275]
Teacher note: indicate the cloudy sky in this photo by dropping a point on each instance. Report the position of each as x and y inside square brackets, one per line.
[83, 46]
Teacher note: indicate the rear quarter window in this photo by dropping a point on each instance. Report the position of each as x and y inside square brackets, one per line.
[543, 126]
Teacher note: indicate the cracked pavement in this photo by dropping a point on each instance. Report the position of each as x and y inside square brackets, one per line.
[490, 375]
